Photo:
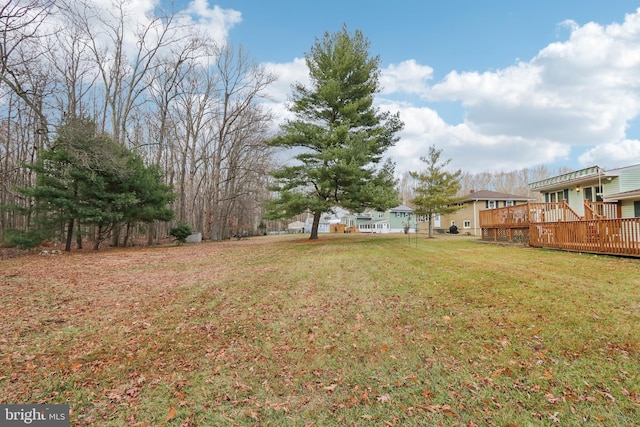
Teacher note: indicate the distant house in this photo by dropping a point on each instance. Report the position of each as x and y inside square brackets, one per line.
[593, 188]
[467, 218]
[589, 210]
[295, 227]
[328, 221]
[394, 220]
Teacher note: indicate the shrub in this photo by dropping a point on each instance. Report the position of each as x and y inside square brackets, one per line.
[181, 232]
[22, 239]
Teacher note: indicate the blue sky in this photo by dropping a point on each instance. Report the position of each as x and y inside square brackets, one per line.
[498, 85]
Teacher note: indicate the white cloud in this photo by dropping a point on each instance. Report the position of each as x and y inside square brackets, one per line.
[408, 77]
[572, 104]
[573, 96]
[467, 148]
[105, 17]
[612, 155]
[214, 21]
[288, 74]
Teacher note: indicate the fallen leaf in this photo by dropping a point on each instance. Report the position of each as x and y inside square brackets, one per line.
[384, 398]
[171, 415]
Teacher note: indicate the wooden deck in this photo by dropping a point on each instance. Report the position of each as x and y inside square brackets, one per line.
[556, 225]
[605, 236]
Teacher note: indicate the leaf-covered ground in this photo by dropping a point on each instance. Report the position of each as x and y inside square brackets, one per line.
[347, 330]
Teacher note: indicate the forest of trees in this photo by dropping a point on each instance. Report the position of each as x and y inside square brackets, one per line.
[172, 95]
[186, 109]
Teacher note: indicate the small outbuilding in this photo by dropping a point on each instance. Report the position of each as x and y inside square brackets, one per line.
[296, 227]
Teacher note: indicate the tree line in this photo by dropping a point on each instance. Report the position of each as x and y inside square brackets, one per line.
[181, 107]
[110, 128]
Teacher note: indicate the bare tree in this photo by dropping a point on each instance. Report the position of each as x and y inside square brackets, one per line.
[69, 56]
[21, 34]
[513, 182]
[183, 102]
[241, 84]
[123, 67]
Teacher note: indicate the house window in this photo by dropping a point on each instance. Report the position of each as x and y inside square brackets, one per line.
[593, 194]
[380, 214]
[492, 204]
[466, 224]
[636, 209]
[509, 203]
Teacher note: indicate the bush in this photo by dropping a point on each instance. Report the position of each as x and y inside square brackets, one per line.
[22, 239]
[181, 232]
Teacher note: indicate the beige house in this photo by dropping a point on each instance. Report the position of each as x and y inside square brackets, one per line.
[467, 218]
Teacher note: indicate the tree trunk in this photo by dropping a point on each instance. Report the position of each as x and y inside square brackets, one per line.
[151, 232]
[316, 223]
[67, 246]
[99, 239]
[430, 226]
[79, 237]
[126, 235]
[116, 234]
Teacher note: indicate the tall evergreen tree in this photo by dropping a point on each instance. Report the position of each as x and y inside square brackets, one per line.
[340, 137]
[89, 178]
[437, 188]
[152, 195]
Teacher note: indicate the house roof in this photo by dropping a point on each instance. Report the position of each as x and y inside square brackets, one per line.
[633, 194]
[572, 178]
[493, 195]
[619, 171]
[588, 175]
[401, 208]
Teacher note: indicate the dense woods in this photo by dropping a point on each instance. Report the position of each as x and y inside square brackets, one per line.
[178, 100]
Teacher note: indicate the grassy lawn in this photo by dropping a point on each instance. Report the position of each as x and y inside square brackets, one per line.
[347, 330]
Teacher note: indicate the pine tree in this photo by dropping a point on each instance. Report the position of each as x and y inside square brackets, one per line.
[340, 137]
[90, 179]
[437, 189]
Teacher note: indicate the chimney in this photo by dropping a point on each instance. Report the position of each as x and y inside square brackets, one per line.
[472, 191]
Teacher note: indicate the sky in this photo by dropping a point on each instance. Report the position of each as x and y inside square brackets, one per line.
[496, 85]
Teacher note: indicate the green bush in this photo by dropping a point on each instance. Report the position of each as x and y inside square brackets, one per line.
[181, 232]
[22, 239]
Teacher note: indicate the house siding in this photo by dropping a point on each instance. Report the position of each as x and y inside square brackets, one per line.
[629, 180]
[611, 187]
[391, 221]
[628, 209]
[576, 201]
[470, 213]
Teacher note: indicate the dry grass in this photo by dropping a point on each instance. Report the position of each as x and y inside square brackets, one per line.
[347, 330]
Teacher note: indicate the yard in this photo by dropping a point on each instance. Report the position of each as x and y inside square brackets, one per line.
[346, 330]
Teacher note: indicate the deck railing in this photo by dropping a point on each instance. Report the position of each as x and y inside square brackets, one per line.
[556, 225]
[517, 215]
[609, 236]
[602, 210]
[522, 215]
[552, 212]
